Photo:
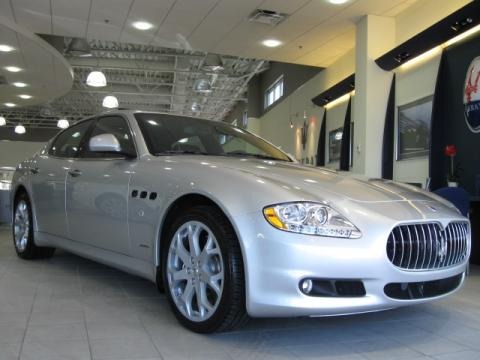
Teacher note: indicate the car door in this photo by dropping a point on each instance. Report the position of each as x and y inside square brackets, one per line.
[47, 179]
[97, 188]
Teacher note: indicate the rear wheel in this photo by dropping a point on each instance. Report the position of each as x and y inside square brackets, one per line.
[23, 231]
[203, 271]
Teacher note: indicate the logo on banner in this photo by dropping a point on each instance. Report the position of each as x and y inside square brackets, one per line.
[471, 96]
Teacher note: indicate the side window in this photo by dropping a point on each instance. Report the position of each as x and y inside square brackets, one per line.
[118, 127]
[67, 144]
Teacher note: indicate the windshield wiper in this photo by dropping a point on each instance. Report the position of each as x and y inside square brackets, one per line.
[180, 152]
[258, 156]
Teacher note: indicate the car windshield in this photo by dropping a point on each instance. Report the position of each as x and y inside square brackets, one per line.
[177, 135]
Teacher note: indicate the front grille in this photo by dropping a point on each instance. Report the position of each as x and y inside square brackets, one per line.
[428, 246]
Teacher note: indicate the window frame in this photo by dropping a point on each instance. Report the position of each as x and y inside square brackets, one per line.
[81, 143]
[271, 90]
[108, 156]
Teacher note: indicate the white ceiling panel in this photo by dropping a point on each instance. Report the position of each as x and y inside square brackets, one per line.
[6, 9]
[220, 21]
[70, 18]
[107, 18]
[34, 15]
[152, 11]
[284, 6]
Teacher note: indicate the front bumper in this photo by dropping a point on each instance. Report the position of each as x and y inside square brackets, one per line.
[277, 261]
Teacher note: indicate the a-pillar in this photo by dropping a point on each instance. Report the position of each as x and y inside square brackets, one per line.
[375, 35]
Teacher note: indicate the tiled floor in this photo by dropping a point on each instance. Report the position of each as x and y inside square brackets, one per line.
[71, 308]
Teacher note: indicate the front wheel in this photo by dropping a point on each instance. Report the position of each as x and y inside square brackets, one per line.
[23, 232]
[203, 271]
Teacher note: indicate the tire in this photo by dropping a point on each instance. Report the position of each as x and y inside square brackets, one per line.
[217, 277]
[22, 231]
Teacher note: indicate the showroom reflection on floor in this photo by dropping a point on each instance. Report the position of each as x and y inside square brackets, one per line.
[69, 307]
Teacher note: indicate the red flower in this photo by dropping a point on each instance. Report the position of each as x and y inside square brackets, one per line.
[450, 150]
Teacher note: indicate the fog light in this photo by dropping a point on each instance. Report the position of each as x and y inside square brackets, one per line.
[306, 286]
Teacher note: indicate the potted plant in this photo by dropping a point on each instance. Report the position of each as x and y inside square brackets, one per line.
[452, 178]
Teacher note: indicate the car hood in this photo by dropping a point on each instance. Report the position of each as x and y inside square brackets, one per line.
[320, 182]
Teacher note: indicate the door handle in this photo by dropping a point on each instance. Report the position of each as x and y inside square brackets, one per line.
[75, 173]
[34, 170]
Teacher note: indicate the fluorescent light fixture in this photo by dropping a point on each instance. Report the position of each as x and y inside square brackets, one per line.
[6, 48]
[96, 79]
[142, 25]
[25, 96]
[19, 84]
[338, 2]
[110, 102]
[340, 100]
[9, 104]
[184, 140]
[271, 43]
[428, 55]
[13, 69]
[462, 36]
[63, 123]
[3, 121]
[20, 129]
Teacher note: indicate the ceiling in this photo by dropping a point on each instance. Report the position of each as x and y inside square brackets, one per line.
[45, 72]
[314, 33]
[144, 77]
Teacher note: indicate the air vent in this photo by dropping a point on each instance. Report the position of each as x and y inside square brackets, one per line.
[267, 17]
[3, 80]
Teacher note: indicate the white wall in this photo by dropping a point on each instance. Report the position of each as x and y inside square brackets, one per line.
[298, 109]
[13, 152]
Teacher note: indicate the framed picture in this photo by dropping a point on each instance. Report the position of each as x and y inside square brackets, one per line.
[335, 144]
[413, 130]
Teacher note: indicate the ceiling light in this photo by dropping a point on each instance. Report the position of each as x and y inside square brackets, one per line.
[142, 25]
[25, 96]
[6, 48]
[9, 104]
[63, 123]
[110, 102]
[12, 68]
[203, 86]
[19, 84]
[3, 121]
[96, 79]
[271, 43]
[79, 47]
[20, 129]
[338, 2]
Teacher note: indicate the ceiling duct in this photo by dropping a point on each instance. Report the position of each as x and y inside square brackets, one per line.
[267, 17]
[213, 62]
[78, 47]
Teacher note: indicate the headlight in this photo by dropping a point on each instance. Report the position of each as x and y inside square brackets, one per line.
[310, 218]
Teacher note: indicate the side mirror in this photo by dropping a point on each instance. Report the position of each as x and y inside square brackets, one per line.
[107, 143]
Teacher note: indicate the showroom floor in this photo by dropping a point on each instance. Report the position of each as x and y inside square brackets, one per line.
[71, 308]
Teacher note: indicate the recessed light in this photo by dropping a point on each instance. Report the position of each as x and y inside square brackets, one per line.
[19, 84]
[13, 69]
[9, 104]
[25, 96]
[6, 48]
[3, 121]
[338, 2]
[271, 43]
[142, 25]
[110, 102]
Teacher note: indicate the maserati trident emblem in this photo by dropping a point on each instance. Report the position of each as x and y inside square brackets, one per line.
[442, 248]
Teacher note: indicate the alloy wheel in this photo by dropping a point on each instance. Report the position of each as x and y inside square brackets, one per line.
[195, 271]
[21, 225]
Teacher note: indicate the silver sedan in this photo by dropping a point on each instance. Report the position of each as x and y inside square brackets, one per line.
[229, 225]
